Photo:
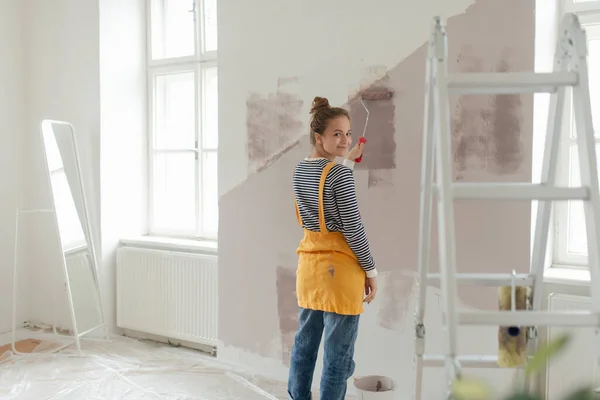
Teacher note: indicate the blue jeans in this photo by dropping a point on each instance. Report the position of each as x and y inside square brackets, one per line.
[338, 364]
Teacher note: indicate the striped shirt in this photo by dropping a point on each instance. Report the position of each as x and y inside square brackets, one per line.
[339, 203]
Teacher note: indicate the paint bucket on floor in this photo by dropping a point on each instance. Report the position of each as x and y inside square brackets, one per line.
[375, 387]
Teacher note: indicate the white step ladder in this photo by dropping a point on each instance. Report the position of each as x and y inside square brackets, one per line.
[570, 70]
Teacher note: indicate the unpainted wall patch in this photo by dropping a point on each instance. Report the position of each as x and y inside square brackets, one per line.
[270, 160]
[287, 310]
[506, 129]
[274, 124]
[287, 80]
[380, 177]
[396, 293]
[373, 75]
[380, 151]
[486, 129]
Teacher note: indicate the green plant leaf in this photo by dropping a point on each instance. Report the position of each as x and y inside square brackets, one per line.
[581, 394]
[546, 351]
[470, 389]
[523, 396]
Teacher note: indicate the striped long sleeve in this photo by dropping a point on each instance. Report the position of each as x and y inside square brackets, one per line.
[340, 206]
[352, 227]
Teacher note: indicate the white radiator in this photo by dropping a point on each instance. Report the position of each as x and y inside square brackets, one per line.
[576, 366]
[167, 293]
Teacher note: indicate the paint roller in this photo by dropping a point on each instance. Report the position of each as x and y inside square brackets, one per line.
[512, 340]
[372, 94]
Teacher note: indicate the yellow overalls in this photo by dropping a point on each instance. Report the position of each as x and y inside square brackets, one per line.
[329, 277]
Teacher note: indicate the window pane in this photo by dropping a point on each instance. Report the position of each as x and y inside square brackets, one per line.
[71, 232]
[172, 28]
[210, 195]
[174, 192]
[210, 109]
[175, 111]
[594, 82]
[210, 25]
[577, 235]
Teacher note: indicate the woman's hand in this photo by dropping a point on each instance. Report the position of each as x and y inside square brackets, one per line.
[370, 289]
[355, 152]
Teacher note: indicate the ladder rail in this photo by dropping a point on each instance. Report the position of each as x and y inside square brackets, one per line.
[517, 191]
[426, 200]
[570, 70]
[467, 361]
[589, 171]
[426, 210]
[509, 82]
[530, 318]
[587, 165]
[445, 207]
[548, 177]
[494, 280]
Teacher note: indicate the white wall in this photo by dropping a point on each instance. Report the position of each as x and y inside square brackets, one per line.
[335, 49]
[330, 55]
[63, 77]
[123, 127]
[84, 62]
[12, 97]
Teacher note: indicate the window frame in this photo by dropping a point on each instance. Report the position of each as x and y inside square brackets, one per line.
[197, 63]
[589, 15]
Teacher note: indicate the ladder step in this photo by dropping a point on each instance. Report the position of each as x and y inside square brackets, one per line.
[529, 318]
[494, 280]
[509, 82]
[517, 191]
[471, 361]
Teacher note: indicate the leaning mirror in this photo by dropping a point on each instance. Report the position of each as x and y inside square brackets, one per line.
[80, 264]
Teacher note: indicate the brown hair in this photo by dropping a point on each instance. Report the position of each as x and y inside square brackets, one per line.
[322, 113]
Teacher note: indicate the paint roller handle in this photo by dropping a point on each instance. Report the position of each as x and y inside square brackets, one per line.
[363, 141]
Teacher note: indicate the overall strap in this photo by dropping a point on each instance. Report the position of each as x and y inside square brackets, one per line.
[322, 225]
[298, 217]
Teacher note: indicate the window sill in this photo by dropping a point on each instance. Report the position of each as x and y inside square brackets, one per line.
[567, 276]
[172, 244]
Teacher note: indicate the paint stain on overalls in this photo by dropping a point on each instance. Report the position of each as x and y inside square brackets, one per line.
[329, 277]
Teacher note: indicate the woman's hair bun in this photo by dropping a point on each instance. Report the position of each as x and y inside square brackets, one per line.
[319, 103]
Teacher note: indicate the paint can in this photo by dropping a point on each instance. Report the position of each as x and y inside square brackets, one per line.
[375, 387]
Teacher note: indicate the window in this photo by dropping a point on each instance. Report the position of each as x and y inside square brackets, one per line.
[570, 247]
[69, 226]
[183, 95]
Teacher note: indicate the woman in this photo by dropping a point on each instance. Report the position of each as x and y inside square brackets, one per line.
[335, 267]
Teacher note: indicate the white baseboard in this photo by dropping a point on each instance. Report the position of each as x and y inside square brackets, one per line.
[211, 350]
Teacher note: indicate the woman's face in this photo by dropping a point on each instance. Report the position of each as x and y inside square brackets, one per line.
[337, 138]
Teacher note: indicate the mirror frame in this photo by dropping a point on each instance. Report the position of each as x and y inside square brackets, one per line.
[85, 225]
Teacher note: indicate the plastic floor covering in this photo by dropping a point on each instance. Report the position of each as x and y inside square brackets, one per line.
[127, 369]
